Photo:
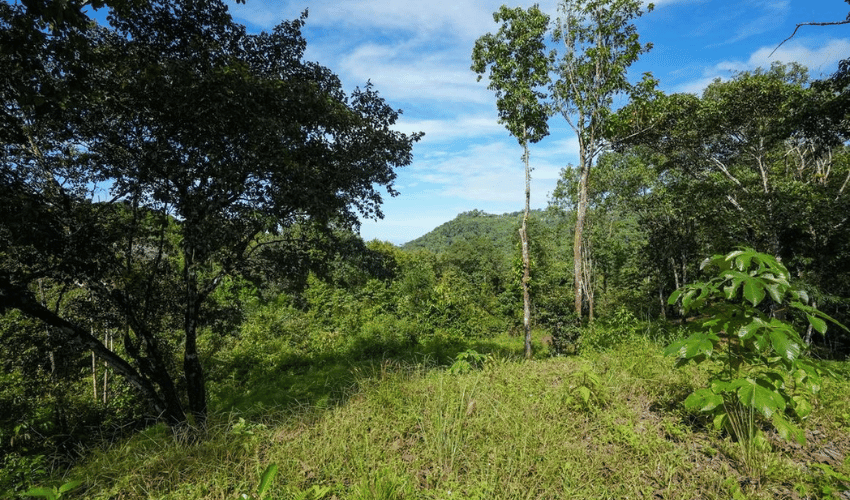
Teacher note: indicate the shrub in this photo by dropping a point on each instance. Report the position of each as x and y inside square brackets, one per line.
[764, 374]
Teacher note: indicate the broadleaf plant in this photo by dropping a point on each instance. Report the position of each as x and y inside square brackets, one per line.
[744, 315]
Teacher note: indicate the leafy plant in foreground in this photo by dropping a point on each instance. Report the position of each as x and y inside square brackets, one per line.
[266, 479]
[54, 493]
[743, 313]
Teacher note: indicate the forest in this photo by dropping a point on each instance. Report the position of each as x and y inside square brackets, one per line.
[187, 309]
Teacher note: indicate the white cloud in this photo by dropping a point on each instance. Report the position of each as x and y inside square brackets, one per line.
[696, 86]
[459, 19]
[488, 177]
[448, 130]
[820, 60]
[772, 13]
[402, 72]
[490, 172]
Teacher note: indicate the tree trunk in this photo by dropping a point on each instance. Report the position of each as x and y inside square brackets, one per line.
[526, 260]
[581, 214]
[166, 405]
[94, 376]
[194, 372]
[587, 269]
[107, 342]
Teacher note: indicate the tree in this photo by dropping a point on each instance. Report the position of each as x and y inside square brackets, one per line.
[600, 43]
[519, 69]
[612, 228]
[752, 162]
[194, 127]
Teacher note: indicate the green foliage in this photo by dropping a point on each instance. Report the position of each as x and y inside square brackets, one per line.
[54, 493]
[585, 391]
[600, 44]
[763, 371]
[467, 361]
[383, 485]
[828, 482]
[205, 137]
[756, 160]
[619, 328]
[17, 470]
[266, 479]
[566, 333]
[519, 69]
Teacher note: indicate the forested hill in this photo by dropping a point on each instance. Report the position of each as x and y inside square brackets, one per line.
[476, 225]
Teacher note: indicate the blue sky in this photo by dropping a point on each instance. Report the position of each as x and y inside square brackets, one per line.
[417, 54]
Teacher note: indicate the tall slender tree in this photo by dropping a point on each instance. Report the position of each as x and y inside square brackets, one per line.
[600, 43]
[519, 72]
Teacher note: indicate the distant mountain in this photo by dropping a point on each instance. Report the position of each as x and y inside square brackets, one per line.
[501, 231]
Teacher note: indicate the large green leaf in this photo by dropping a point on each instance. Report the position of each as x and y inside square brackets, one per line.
[802, 407]
[736, 278]
[698, 344]
[787, 430]
[70, 485]
[817, 323]
[40, 491]
[266, 479]
[703, 400]
[775, 291]
[674, 297]
[754, 291]
[761, 343]
[748, 330]
[784, 345]
[765, 400]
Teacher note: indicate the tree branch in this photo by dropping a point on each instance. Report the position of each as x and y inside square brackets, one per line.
[834, 23]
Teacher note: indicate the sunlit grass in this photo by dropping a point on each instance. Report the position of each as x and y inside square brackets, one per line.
[603, 425]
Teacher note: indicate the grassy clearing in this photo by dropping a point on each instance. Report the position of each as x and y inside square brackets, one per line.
[603, 425]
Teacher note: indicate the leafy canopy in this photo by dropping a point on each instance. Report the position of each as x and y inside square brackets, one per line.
[158, 156]
[519, 70]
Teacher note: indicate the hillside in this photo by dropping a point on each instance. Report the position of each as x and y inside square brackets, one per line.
[476, 225]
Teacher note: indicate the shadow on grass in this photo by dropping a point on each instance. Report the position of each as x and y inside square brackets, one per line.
[296, 384]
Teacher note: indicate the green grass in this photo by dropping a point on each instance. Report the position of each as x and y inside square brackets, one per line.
[600, 425]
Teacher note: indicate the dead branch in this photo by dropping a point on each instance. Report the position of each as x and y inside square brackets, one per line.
[834, 23]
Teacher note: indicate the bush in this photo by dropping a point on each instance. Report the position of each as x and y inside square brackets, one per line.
[606, 334]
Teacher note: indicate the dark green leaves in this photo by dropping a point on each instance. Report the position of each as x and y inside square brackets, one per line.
[758, 394]
[764, 373]
[205, 138]
[703, 400]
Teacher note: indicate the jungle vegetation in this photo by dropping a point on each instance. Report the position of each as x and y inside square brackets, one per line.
[188, 310]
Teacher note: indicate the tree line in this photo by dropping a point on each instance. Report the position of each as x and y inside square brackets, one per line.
[756, 161]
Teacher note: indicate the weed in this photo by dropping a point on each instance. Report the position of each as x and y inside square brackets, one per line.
[266, 479]
[383, 485]
[54, 493]
[467, 361]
